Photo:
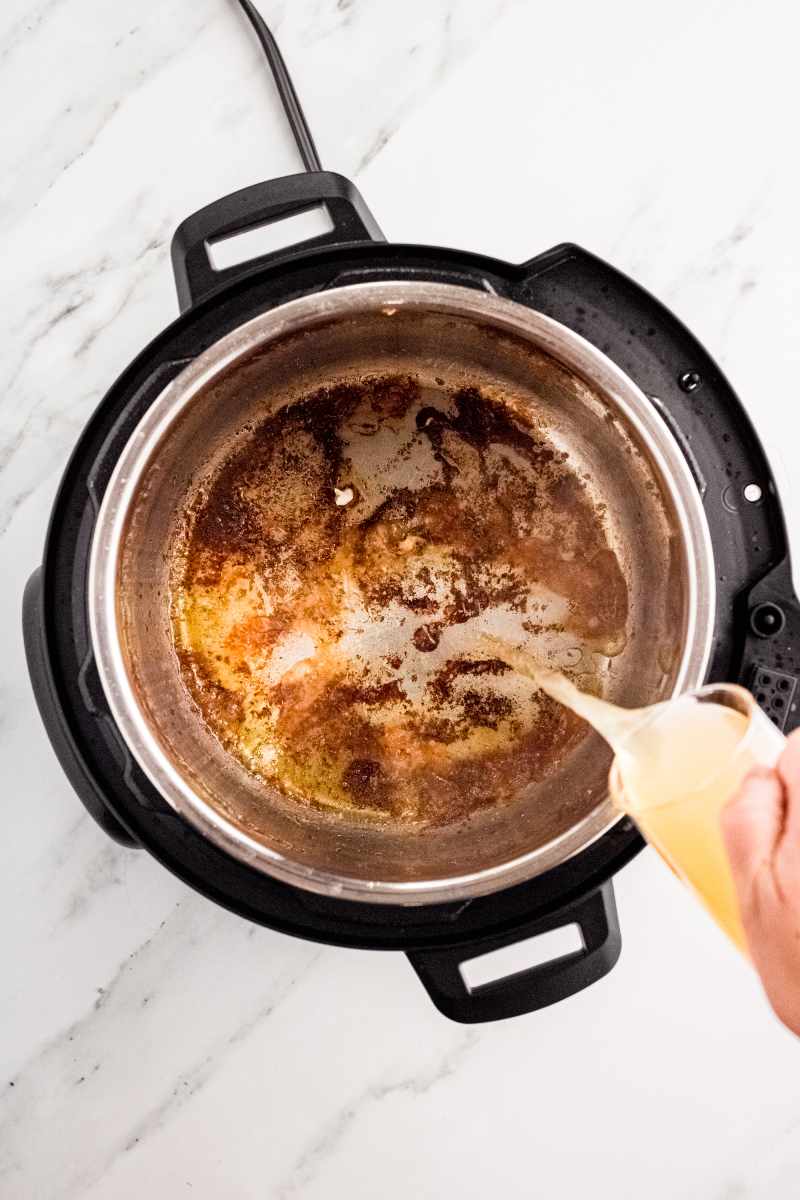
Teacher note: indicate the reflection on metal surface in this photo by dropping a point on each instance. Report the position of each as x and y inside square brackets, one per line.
[548, 383]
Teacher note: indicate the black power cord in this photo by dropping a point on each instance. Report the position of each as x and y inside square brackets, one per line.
[283, 82]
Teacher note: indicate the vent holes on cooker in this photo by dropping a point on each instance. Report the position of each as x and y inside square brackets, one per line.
[753, 493]
[775, 691]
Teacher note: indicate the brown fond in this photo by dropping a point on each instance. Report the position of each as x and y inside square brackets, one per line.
[384, 716]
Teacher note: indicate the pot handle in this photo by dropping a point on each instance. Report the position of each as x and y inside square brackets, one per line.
[524, 992]
[52, 714]
[261, 204]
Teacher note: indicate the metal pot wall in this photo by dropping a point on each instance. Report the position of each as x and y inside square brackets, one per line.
[461, 338]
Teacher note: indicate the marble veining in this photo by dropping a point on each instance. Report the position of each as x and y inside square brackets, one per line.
[152, 1042]
[88, 1052]
[309, 1164]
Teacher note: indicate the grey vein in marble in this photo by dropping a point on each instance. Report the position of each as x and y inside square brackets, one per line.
[195, 1079]
[82, 1056]
[79, 124]
[102, 871]
[312, 1160]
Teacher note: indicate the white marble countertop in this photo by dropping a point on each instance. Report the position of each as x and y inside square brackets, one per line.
[152, 1043]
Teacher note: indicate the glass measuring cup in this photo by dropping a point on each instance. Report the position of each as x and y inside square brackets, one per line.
[681, 817]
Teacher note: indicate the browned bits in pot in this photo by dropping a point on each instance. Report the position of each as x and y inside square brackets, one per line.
[327, 644]
[365, 782]
[426, 637]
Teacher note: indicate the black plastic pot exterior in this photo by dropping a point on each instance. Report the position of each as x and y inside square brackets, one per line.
[757, 633]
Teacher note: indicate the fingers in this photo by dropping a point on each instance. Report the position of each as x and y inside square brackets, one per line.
[789, 771]
[761, 830]
[751, 826]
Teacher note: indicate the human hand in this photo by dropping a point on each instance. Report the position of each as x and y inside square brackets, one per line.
[761, 829]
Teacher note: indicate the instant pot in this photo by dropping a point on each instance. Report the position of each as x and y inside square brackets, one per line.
[664, 437]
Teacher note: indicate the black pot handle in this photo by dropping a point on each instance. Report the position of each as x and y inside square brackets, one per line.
[526, 991]
[196, 278]
[66, 750]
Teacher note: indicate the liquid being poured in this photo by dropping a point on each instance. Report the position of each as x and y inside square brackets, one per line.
[676, 765]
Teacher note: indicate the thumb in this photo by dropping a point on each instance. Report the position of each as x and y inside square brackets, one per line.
[751, 825]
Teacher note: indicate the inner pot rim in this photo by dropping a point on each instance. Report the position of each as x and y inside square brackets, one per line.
[567, 348]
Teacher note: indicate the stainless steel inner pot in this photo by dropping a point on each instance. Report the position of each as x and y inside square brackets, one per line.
[461, 337]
